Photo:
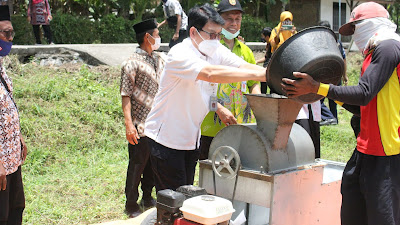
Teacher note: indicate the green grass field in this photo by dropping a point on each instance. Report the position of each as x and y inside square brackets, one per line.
[72, 122]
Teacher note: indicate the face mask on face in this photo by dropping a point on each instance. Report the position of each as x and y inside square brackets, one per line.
[367, 30]
[228, 35]
[157, 43]
[207, 47]
[363, 32]
[5, 47]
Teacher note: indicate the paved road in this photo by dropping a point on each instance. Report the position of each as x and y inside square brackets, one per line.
[107, 54]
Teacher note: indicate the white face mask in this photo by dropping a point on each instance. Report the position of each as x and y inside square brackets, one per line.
[363, 32]
[369, 28]
[157, 43]
[228, 35]
[207, 47]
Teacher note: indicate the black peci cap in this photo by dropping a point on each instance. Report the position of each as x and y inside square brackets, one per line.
[229, 5]
[145, 25]
[4, 13]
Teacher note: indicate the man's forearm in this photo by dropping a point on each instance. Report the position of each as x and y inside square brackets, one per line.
[226, 74]
[178, 23]
[126, 108]
[161, 24]
[255, 89]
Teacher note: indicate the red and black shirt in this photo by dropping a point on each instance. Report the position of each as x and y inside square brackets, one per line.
[378, 95]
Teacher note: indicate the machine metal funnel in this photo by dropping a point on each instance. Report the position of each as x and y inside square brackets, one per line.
[275, 115]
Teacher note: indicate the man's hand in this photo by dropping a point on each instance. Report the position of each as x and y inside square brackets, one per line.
[176, 36]
[50, 17]
[241, 39]
[132, 135]
[345, 80]
[24, 150]
[225, 115]
[295, 88]
[3, 178]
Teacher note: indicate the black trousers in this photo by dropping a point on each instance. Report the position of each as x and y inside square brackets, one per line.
[172, 168]
[355, 124]
[47, 33]
[139, 163]
[371, 190]
[12, 200]
[313, 129]
[182, 35]
[205, 142]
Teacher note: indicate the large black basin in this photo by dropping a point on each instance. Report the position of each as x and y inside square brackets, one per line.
[314, 51]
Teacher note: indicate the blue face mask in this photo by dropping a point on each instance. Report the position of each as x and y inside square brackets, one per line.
[5, 47]
[228, 35]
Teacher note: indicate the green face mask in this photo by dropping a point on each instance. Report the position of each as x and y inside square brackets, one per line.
[228, 35]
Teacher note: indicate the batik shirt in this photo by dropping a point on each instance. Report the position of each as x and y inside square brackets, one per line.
[140, 77]
[10, 131]
[232, 97]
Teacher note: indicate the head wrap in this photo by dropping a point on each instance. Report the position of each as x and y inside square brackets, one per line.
[364, 11]
[370, 32]
[285, 34]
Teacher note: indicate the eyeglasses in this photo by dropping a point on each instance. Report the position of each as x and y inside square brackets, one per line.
[213, 36]
[8, 33]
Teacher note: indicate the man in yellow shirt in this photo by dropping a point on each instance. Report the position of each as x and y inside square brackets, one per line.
[230, 95]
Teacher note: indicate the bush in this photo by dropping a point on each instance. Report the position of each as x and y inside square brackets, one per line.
[251, 28]
[114, 29]
[70, 29]
[23, 30]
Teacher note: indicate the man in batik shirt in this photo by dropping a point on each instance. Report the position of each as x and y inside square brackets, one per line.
[140, 77]
[12, 147]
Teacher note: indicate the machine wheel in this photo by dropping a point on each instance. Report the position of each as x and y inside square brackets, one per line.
[225, 158]
[150, 219]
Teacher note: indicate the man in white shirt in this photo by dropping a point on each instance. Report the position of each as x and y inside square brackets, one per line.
[176, 19]
[187, 92]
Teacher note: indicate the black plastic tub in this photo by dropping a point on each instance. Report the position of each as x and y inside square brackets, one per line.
[314, 51]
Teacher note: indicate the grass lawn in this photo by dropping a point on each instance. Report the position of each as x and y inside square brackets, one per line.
[72, 122]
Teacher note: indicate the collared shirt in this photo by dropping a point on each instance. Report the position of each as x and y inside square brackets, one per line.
[182, 101]
[10, 132]
[140, 76]
[173, 8]
[231, 96]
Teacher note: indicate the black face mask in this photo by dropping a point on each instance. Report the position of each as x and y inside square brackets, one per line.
[263, 40]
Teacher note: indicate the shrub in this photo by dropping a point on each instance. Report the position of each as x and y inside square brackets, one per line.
[251, 28]
[114, 29]
[70, 29]
[23, 30]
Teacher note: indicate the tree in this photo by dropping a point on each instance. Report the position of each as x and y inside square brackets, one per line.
[394, 11]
